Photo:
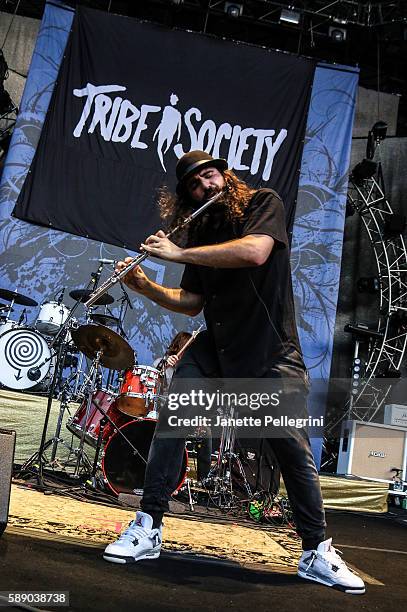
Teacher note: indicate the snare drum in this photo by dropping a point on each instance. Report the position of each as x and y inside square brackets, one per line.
[139, 391]
[50, 318]
[91, 425]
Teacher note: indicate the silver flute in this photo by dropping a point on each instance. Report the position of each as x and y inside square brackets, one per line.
[117, 276]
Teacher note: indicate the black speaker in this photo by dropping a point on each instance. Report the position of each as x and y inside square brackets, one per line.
[7, 446]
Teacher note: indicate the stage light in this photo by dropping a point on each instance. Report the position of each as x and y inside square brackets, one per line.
[361, 331]
[364, 170]
[337, 34]
[368, 284]
[379, 131]
[375, 137]
[290, 16]
[356, 373]
[394, 225]
[233, 9]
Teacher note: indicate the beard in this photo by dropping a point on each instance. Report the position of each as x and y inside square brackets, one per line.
[221, 203]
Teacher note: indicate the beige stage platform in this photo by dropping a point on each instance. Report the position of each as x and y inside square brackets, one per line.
[96, 524]
[69, 520]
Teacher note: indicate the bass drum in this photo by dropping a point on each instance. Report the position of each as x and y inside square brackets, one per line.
[24, 358]
[124, 471]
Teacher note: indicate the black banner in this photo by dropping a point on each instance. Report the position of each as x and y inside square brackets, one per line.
[132, 97]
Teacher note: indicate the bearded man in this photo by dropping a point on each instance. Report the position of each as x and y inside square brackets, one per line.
[237, 270]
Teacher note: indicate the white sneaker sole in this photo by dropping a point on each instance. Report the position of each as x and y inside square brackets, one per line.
[338, 587]
[126, 559]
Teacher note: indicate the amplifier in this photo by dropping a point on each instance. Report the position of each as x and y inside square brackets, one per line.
[7, 446]
[371, 450]
[395, 414]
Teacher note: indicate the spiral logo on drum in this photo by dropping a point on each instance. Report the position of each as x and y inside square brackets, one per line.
[23, 351]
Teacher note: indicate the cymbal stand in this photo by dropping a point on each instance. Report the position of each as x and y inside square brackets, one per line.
[39, 457]
[78, 388]
[220, 476]
[91, 389]
[80, 392]
[9, 310]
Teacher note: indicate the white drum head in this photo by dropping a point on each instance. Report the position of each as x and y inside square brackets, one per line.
[23, 350]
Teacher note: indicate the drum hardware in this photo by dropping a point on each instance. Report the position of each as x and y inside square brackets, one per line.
[80, 387]
[57, 436]
[80, 452]
[219, 482]
[39, 456]
[99, 293]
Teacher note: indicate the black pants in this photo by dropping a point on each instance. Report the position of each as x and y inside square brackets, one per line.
[293, 453]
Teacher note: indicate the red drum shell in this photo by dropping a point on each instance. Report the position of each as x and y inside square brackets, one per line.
[138, 391]
[124, 471]
[92, 425]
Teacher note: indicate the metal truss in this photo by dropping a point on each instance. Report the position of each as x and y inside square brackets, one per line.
[363, 12]
[385, 353]
[7, 121]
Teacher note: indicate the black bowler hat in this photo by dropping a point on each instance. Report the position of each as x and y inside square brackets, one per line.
[195, 160]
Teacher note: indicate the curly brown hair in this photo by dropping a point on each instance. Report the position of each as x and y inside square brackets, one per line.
[175, 207]
[178, 342]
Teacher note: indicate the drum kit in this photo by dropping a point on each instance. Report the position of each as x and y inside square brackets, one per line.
[112, 401]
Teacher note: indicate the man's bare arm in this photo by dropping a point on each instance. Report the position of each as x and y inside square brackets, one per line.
[251, 250]
[177, 300]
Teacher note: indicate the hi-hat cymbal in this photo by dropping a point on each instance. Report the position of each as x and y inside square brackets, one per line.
[117, 354]
[83, 294]
[104, 319]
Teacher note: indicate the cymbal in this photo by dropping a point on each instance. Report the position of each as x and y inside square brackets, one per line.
[104, 319]
[83, 295]
[19, 298]
[117, 353]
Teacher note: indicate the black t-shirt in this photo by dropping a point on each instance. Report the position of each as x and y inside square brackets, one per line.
[249, 312]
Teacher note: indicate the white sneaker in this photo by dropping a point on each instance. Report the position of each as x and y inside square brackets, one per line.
[139, 541]
[324, 565]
